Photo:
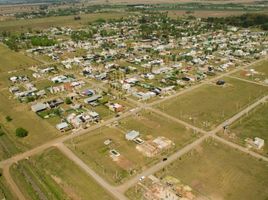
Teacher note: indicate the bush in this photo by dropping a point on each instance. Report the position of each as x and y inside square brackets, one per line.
[8, 119]
[68, 101]
[21, 132]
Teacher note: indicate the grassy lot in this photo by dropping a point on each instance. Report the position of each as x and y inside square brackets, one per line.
[261, 75]
[251, 126]
[11, 60]
[209, 105]
[53, 175]
[221, 172]
[91, 149]
[39, 130]
[5, 192]
[41, 23]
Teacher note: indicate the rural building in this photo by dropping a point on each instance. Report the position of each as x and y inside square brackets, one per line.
[39, 107]
[132, 135]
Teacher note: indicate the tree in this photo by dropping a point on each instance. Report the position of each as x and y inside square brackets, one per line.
[68, 101]
[21, 132]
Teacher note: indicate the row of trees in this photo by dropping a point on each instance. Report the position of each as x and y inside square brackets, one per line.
[245, 20]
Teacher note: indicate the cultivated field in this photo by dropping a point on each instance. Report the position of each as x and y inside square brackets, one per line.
[255, 124]
[42, 23]
[52, 175]
[209, 105]
[5, 192]
[220, 172]
[91, 149]
[11, 60]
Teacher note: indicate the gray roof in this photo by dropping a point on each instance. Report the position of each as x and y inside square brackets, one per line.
[38, 107]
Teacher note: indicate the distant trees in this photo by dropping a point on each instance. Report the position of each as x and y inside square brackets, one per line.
[81, 35]
[21, 132]
[42, 41]
[245, 20]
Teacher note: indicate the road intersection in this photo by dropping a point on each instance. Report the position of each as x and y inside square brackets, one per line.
[118, 191]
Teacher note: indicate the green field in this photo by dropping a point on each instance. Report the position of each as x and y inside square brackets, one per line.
[253, 125]
[52, 175]
[91, 149]
[39, 130]
[11, 60]
[220, 172]
[5, 192]
[42, 23]
[209, 105]
[261, 72]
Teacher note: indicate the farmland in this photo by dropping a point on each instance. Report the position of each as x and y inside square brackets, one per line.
[5, 192]
[11, 60]
[52, 175]
[42, 23]
[91, 150]
[220, 172]
[255, 124]
[218, 103]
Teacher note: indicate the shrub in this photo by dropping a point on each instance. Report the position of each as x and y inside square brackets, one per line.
[8, 119]
[21, 132]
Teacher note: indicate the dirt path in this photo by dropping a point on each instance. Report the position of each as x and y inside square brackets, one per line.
[111, 189]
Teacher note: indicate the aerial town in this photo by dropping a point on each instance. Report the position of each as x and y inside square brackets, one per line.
[137, 105]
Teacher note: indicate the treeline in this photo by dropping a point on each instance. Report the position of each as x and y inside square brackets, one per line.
[245, 20]
[42, 41]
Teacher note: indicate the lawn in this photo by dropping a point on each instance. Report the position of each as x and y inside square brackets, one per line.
[210, 105]
[253, 125]
[220, 172]
[91, 149]
[39, 130]
[46, 22]
[52, 175]
[11, 60]
[5, 192]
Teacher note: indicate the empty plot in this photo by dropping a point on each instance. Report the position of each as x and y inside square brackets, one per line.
[255, 124]
[11, 60]
[220, 172]
[51, 175]
[39, 130]
[92, 150]
[257, 73]
[209, 105]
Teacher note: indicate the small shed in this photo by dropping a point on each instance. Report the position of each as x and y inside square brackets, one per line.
[131, 135]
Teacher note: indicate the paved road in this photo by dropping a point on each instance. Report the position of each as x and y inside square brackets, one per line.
[111, 189]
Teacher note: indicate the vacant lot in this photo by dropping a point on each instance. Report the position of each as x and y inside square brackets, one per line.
[39, 130]
[253, 125]
[11, 60]
[209, 105]
[221, 172]
[91, 149]
[257, 73]
[52, 175]
[5, 192]
[42, 23]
